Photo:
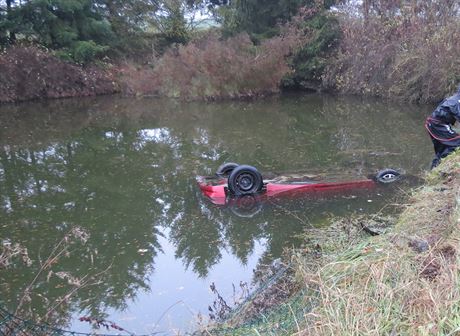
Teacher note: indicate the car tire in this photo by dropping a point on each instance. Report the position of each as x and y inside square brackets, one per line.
[387, 176]
[245, 180]
[246, 206]
[226, 169]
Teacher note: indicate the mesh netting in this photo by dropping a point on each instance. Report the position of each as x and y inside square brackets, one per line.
[11, 325]
[286, 318]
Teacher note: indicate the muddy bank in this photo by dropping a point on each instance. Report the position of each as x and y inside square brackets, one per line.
[29, 73]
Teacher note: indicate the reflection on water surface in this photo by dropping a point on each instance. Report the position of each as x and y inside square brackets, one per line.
[124, 170]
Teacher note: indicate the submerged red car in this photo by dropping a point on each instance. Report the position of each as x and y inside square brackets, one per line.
[233, 183]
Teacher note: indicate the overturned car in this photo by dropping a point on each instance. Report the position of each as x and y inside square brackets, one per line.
[243, 187]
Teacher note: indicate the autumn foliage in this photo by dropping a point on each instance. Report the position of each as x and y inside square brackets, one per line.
[32, 73]
[403, 51]
[213, 68]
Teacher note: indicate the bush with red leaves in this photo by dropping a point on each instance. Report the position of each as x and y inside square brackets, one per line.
[30, 73]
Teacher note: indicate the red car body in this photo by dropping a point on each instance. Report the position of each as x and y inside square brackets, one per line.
[215, 189]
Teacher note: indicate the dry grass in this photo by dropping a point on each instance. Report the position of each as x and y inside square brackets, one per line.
[10, 252]
[402, 283]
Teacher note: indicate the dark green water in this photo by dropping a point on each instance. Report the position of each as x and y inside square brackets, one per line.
[124, 170]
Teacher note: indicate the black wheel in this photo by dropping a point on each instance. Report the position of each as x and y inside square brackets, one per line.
[387, 176]
[245, 180]
[245, 206]
[226, 169]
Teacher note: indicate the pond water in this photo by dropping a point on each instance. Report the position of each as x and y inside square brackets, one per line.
[124, 171]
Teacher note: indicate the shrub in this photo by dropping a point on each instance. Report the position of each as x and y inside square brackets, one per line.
[32, 73]
[86, 51]
[410, 53]
[211, 68]
[137, 81]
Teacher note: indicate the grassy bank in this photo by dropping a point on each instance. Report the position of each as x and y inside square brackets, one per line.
[402, 282]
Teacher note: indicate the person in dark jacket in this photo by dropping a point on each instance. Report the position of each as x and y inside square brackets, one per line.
[439, 126]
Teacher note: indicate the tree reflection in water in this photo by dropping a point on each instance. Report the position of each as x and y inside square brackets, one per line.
[125, 170]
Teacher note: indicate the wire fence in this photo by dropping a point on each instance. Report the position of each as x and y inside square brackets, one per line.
[11, 325]
[284, 319]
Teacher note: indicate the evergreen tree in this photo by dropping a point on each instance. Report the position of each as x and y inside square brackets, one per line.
[7, 32]
[259, 18]
[74, 27]
[310, 60]
[172, 23]
[262, 19]
[129, 16]
[82, 29]
[129, 20]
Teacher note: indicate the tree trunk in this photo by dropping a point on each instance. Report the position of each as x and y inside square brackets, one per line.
[366, 9]
[12, 37]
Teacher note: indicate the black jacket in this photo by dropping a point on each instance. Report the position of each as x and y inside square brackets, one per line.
[449, 110]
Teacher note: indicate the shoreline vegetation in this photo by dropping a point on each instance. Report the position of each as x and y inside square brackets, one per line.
[404, 282]
[406, 52]
[401, 282]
